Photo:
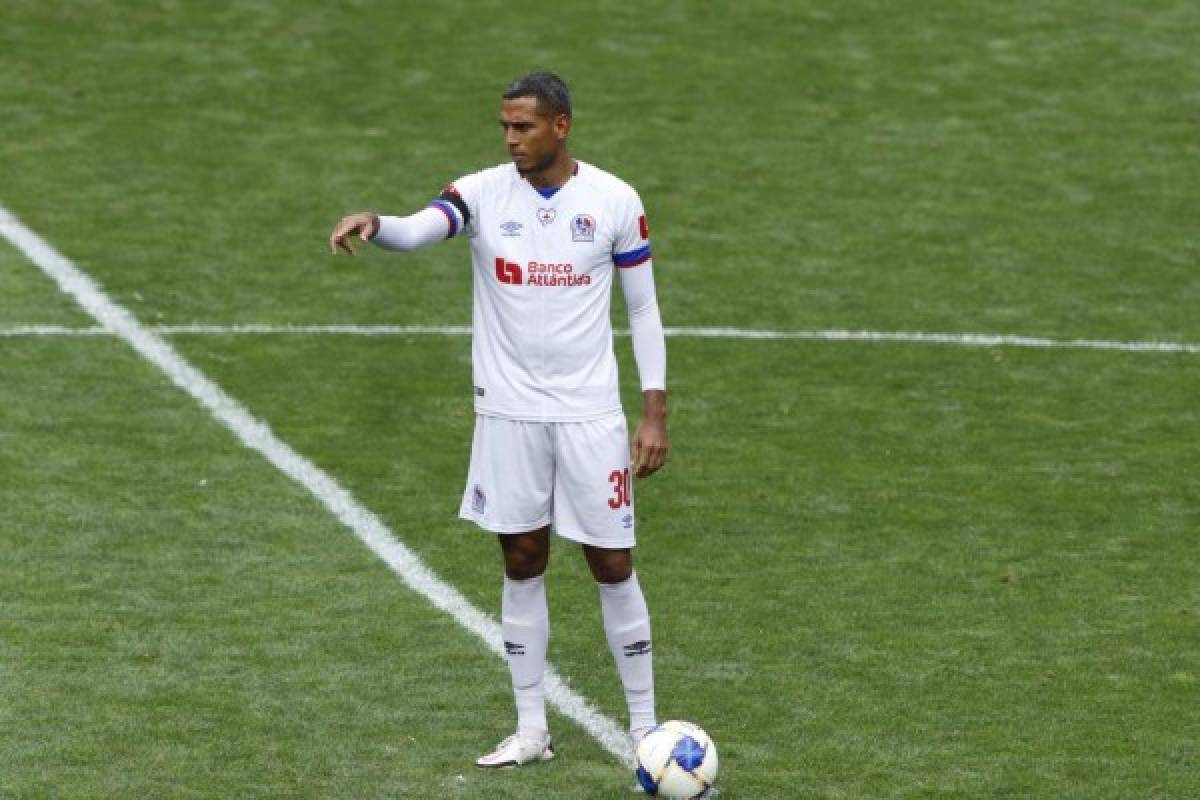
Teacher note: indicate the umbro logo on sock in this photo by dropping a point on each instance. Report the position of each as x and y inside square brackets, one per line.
[637, 648]
[514, 649]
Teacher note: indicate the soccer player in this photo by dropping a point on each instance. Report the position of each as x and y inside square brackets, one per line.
[551, 448]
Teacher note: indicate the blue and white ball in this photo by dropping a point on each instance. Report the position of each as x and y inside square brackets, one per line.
[676, 761]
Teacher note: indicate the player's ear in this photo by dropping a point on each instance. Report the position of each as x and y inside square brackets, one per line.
[562, 126]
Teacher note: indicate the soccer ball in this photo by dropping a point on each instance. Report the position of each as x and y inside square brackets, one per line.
[676, 761]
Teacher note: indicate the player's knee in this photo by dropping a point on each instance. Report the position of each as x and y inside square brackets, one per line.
[609, 566]
[525, 555]
[612, 575]
[522, 569]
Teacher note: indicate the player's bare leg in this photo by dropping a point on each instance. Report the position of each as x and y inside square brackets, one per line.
[525, 626]
[609, 565]
[525, 554]
[627, 627]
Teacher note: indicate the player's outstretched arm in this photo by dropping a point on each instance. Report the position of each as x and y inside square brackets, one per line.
[427, 226]
[364, 224]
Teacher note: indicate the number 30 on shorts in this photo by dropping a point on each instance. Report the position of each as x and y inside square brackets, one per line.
[619, 478]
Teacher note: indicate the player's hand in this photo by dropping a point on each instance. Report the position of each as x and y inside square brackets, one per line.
[649, 451]
[365, 224]
[649, 447]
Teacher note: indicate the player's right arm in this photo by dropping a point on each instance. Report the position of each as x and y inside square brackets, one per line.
[441, 220]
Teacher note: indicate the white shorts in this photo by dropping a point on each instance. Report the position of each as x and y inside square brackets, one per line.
[574, 476]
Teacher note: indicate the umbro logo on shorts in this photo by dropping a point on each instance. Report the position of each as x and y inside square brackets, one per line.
[478, 500]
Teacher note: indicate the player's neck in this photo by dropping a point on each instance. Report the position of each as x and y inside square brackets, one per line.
[554, 175]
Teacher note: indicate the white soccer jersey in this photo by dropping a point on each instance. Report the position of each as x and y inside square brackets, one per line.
[543, 268]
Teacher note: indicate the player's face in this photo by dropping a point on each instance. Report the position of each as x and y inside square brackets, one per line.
[534, 139]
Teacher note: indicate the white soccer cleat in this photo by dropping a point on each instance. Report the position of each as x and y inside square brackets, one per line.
[518, 750]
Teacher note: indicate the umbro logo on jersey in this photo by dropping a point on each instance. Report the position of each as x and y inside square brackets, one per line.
[583, 228]
[511, 228]
[546, 215]
[641, 648]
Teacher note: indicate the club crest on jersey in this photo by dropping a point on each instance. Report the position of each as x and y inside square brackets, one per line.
[583, 228]
[546, 215]
[511, 228]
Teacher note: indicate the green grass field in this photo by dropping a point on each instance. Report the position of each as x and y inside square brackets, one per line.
[875, 569]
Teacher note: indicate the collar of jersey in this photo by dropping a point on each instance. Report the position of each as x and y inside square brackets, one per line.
[558, 191]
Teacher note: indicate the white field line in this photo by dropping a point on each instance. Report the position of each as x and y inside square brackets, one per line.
[50, 330]
[914, 337]
[256, 435]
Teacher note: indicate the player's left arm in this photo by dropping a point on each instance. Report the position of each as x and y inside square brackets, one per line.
[650, 443]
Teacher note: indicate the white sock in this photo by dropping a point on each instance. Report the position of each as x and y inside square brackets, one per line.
[525, 626]
[627, 626]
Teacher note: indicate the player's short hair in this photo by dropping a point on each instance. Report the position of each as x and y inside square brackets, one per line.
[547, 88]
